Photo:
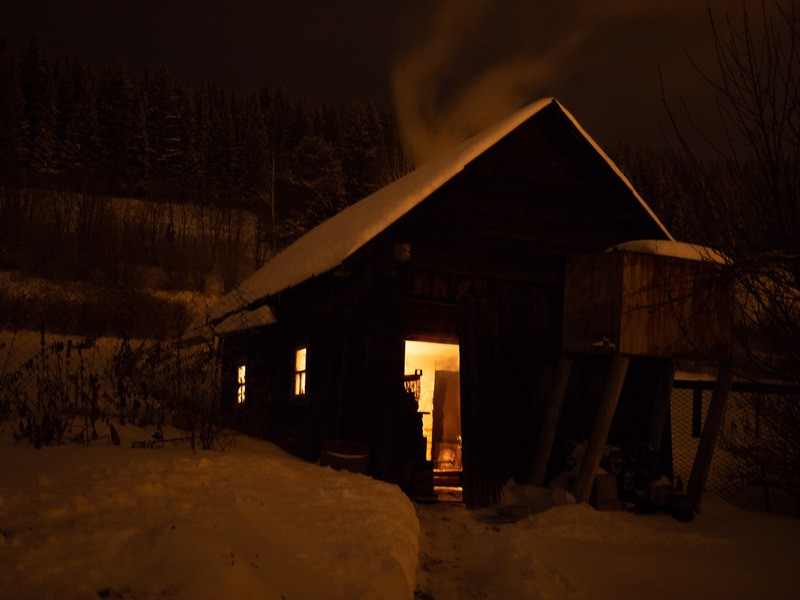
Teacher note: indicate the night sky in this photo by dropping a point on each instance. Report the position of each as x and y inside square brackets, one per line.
[448, 68]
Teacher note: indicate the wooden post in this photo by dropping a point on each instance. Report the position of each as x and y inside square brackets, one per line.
[582, 488]
[544, 445]
[708, 438]
[661, 404]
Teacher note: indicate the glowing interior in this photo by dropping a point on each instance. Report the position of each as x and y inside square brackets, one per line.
[300, 372]
[429, 357]
[240, 379]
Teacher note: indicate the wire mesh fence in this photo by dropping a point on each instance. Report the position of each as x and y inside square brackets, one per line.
[755, 463]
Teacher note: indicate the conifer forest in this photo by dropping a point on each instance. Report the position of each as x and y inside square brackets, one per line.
[132, 181]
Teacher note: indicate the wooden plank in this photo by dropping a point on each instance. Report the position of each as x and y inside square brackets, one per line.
[646, 305]
[474, 343]
[658, 417]
[708, 438]
[550, 422]
[582, 486]
[593, 290]
[674, 308]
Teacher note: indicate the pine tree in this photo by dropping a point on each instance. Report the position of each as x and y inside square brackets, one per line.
[185, 165]
[316, 186]
[40, 111]
[219, 155]
[359, 149]
[122, 129]
[201, 136]
[12, 123]
[252, 142]
[168, 134]
[278, 155]
[79, 135]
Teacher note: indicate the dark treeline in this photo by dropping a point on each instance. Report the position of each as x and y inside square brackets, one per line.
[69, 125]
[136, 184]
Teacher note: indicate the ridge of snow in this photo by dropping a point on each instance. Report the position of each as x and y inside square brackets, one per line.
[673, 249]
[617, 171]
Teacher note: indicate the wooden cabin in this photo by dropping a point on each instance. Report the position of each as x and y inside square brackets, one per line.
[339, 336]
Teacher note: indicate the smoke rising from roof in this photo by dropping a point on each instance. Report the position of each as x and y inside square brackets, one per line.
[454, 83]
[469, 64]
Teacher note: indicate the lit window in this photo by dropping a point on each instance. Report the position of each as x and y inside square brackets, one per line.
[240, 374]
[300, 372]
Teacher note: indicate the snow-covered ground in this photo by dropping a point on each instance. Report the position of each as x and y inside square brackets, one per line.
[250, 522]
[253, 522]
[574, 552]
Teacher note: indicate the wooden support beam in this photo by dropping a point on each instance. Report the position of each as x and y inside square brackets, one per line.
[708, 438]
[544, 445]
[658, 417]
[582, 486]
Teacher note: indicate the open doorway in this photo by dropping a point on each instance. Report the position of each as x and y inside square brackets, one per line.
[432, 373]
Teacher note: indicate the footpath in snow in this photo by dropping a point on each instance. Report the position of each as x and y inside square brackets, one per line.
[575, 552]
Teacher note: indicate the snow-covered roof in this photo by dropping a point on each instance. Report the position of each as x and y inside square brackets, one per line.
[332, 242]
[672, 248]
[245, 319]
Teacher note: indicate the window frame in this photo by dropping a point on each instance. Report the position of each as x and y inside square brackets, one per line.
[300, 375]
[241, 383]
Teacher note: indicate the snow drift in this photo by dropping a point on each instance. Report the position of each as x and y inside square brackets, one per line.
[251, 522]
